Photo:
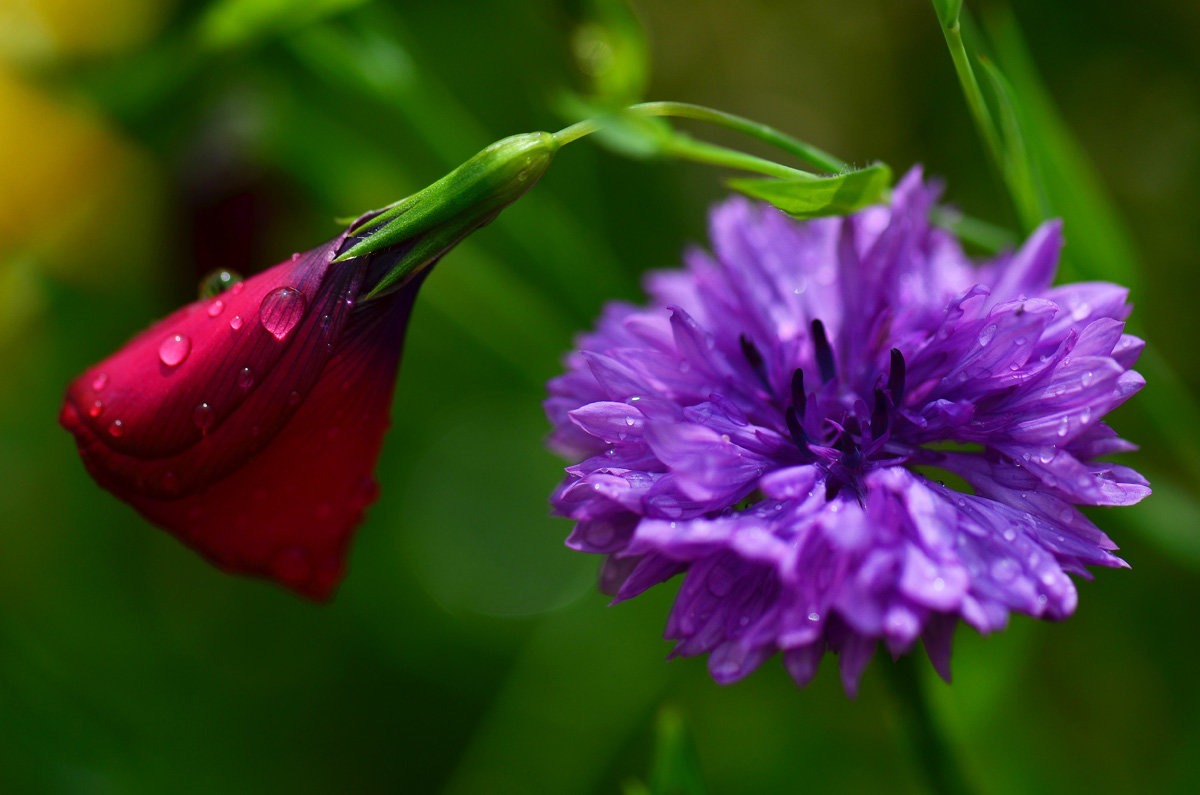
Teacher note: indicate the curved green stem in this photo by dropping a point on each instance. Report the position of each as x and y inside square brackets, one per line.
[765, 133]
[942, 772]
[686, 148]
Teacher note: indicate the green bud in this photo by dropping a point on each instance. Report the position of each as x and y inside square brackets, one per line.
[435, 219]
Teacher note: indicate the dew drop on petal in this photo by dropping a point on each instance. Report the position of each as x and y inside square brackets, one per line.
[218, 281]
[1081, 310]
[216, 308]
[115, 428]
[245, 378]
[99, 382]
[814, 616]
[1064, 426]
[1004, 570]
[203, 416]
[1088, 378]
[280, 311]
[235, 322]
[174, 349]
[95, 409]
[987, 334]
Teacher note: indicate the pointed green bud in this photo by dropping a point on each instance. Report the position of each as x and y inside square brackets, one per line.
[429, 223]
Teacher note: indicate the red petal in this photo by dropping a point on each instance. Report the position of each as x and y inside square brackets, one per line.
[265, 474]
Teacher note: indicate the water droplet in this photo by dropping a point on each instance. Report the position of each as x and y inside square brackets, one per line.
[1081, 310]
[1004, 570]
[1088, 378]
[95, 409]
[293, 398]
[1009, 534]
[1064, 426]
[987, 334]
[218, 281]
[1020, 341]
[280, 311]
[203, 416]
[216, 308]
[116, 428]
[939, 584]
[99, 382]
[814, 616]
[1046, 454]
[235, 322]
[629, 421]
[245, 378]
[174, 349]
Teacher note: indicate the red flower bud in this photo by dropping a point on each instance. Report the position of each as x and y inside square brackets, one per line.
[248, 424]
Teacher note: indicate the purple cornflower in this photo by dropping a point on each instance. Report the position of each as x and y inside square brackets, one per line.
[775, 424]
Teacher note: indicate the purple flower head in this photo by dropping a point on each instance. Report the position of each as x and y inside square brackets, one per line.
[776, 425]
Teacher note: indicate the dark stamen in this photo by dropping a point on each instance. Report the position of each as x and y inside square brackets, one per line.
[853, 429]
[755, 359]
[895, 382]
[824, 352]
[799, 397]
[795, 428]
[880, 415]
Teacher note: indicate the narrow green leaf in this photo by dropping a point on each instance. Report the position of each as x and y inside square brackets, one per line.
[947, 11]
[813, 197]
[1017, 165]
[1101, 246]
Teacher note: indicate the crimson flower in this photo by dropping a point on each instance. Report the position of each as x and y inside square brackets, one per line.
[248, 423]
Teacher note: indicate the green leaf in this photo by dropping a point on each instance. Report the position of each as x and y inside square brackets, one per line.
[1100, 244]
[1017, 164]
[813, 197]
[947, 11]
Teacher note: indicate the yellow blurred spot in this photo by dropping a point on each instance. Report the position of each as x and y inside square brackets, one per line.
[72, 194]
[37, 30]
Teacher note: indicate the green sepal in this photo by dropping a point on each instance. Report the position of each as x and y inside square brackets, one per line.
[814, 197]
[437, 217]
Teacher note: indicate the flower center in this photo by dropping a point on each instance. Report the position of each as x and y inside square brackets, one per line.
[833, 427]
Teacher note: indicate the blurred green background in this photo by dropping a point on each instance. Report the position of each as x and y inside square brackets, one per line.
[145, 142]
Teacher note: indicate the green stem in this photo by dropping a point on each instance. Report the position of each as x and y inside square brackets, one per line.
[687, 148]
[765, 133]
[802, 151]
[970, 87]
[933, 753]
